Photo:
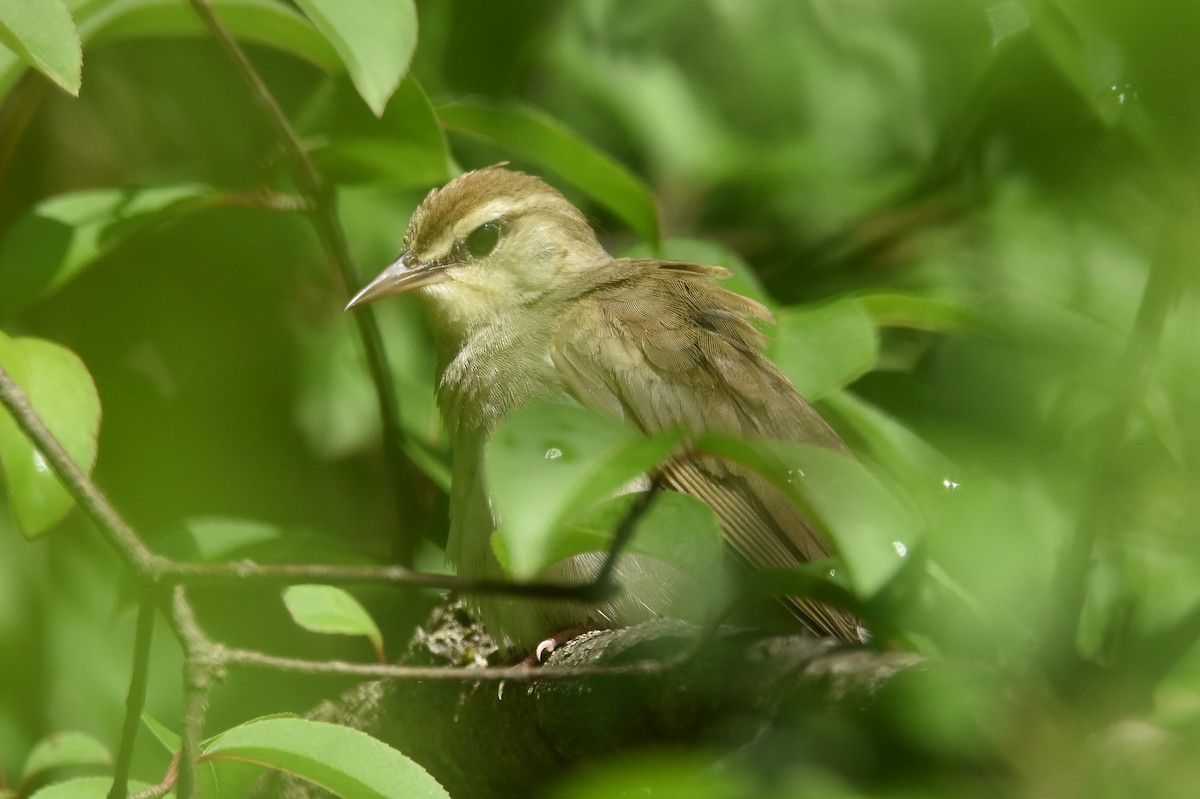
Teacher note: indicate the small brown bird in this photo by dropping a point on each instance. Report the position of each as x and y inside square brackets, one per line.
[527, 306]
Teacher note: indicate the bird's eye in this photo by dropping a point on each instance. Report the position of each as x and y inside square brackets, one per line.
[483, 239]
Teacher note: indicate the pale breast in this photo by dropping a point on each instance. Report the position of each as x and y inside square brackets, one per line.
[497, 370]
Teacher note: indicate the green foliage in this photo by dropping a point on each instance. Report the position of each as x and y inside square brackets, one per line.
[263, 22]
[163, 734]
[64, 234]
[548, 463]
[81, 788]
[328, 609]
[64, 749]
[551, 146]
[825, 347]
[57, 385]
[345, 762]
[45, 38]
[976, 225]
[375, 39]
[404, 147]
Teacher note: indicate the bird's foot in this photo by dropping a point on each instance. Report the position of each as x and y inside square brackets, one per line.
[548, 645]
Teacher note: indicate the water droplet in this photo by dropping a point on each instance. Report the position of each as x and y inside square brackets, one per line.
[949, 484]
[1124, 92]
[794, 475]
[554, 453]
[901, 549]
[833, 573]
[39, 462]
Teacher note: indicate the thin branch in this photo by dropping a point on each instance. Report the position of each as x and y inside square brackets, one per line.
[164, 786]
[136, 699]
[265, 198]
[624, 533]
[195, 707]
[90, 499]
[289, 574]
[521, 672]
[325, 219]
[157, 570]
[203, 663]
[215, 658]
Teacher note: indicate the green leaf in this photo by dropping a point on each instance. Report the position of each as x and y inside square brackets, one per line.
[823, 580]
[44, 36]
[63, 234]
[217, 537]
[266, 22]
[375, 38]
[64, 749]
[404, 148]
[920, 313]
[225, 779]
[867, 525]
[677, 528]
[347, 762]
[546, 142]
[546, 463]
[333, 611]
[84, 788]
[824, 347]
[211, 539]
[163, 734]
[1083, 54]
[60, 390]
[922, 469]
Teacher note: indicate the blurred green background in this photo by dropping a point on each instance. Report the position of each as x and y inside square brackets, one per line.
[1006, 191]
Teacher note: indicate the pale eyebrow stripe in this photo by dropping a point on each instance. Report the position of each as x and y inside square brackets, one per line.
[489, 211]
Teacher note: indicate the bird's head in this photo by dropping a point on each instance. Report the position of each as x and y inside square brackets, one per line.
[486, 244]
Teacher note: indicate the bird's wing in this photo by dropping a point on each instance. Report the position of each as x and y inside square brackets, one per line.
[661, 345]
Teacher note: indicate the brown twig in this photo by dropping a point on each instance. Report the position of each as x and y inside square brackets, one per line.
[521, 672]
[203, 664]
[154, 570]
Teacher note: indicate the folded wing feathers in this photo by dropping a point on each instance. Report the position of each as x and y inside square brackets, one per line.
[706, 373]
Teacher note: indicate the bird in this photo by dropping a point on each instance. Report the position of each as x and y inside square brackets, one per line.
[527, 306]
